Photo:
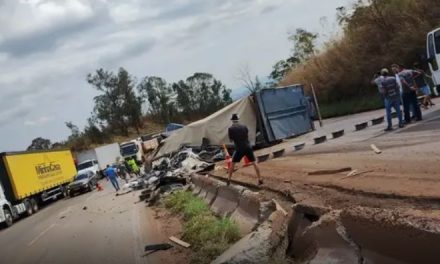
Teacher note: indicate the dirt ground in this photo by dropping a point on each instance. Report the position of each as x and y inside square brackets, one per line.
[405, 175]
[170, 225]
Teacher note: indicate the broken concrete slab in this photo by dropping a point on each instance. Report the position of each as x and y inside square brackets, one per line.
[226, 200]
[253, 248]
[247, 214]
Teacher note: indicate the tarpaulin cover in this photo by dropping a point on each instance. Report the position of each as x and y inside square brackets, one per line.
[214, 127]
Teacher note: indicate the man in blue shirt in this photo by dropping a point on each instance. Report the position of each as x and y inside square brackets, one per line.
[111, 175]
[390, 91]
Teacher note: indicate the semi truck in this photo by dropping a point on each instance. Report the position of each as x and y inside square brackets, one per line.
[433, 54]
[131, 150]
[30, 178]
[97, 159]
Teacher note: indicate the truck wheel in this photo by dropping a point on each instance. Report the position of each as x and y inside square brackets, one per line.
[34, 205]
[8, 218]
[29, 210]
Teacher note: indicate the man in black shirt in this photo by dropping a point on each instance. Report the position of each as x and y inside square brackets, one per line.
[238, 133]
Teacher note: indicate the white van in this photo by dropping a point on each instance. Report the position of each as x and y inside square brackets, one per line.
[433, 53]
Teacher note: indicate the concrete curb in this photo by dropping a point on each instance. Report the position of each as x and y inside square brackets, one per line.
[247, 214]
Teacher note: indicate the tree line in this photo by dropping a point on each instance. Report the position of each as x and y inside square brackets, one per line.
[376, 33]
[124, 104]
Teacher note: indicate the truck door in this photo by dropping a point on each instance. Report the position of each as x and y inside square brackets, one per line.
[433, 48]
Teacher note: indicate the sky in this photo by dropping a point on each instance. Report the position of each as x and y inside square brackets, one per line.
[47, 48]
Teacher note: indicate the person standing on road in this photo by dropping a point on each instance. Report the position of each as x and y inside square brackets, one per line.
[134, 167]
[409, 92]
[111, 175]
[389, 88]
[423, 86]
[238, 134]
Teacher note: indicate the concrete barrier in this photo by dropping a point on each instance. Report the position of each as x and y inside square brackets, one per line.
[320, 140]
[210, 190]
[377, 121]
[338, 134]
[361, 126]
[299, 146]
[263, 158]
[227, 200]
[197, 184]
[206, 183]
[247, 214]
[278, 153]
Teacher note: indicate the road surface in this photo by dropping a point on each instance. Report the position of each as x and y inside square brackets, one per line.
[96, 227]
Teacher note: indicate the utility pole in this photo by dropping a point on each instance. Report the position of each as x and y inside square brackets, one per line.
[317, 105]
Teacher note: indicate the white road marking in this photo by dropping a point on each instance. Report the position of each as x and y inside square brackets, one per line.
[41, 234]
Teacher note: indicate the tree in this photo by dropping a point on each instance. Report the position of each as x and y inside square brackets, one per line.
[118, 105]
[159, 96]
[200, 95]
[252, 84]
[303, 44]
[282, 68]
[39, 143]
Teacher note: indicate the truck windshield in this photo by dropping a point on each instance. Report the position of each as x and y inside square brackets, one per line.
[85, 165]
[129, 149]
[437, 41]
[81, 177]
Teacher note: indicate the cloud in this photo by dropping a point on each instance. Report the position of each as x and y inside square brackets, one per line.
[38, 121]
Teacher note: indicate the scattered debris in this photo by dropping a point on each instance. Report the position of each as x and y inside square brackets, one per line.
[150, 249]
[325, 172]
[179, 242]
[85, 208]
[375, 149]
[279, 207]
[356, 173]
[62, 217]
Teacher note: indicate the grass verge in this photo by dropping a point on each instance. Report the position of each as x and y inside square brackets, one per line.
[208, 235]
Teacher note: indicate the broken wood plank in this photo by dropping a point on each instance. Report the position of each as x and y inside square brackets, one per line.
[375, 149]
[179, 242]
[279, 207]
[325, 172]
[356, 174]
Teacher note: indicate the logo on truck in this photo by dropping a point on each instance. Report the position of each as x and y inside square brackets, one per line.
[48, 169]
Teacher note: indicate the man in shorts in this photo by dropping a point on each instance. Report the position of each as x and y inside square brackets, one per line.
[238, 134]
[423, 86]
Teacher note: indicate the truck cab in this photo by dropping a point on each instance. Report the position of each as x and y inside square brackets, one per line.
[88, 165]
[131, 149]
[433, 55]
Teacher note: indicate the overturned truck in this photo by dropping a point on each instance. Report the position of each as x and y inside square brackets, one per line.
[271, 115]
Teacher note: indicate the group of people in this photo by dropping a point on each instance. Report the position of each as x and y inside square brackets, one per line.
[123, 170]
[401, 88]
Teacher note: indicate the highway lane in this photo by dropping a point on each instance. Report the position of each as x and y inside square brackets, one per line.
[96, 227]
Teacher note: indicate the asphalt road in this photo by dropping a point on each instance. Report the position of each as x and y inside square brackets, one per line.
[96, 227]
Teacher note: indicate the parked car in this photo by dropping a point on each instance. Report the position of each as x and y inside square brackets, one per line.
[83, 182]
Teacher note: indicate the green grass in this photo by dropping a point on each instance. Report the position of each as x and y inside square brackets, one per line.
[208, 235]
[351, 106]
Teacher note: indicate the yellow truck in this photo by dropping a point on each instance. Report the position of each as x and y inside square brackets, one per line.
[29, 178]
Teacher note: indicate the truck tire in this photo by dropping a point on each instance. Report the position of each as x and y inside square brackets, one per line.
[34, 205]
[9, 220]
[29, 210]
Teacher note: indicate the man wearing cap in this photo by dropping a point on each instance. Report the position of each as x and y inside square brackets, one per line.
[389, 88]
[238, 134]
